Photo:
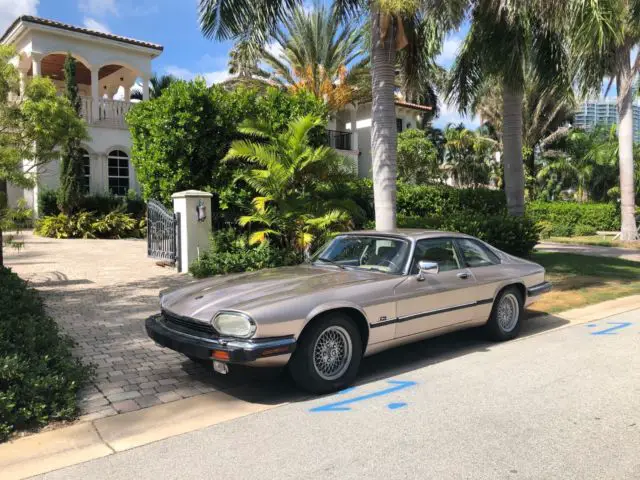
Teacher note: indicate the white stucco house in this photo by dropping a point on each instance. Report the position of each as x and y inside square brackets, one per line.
[355, 143]
[108, 67]
[107, 64]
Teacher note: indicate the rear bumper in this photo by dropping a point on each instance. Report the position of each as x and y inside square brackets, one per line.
[234, 350]
[539, 289]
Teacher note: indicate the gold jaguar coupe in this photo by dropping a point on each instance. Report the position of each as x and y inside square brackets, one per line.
[363, 292]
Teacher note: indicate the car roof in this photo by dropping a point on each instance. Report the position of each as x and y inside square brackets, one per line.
[408, 233]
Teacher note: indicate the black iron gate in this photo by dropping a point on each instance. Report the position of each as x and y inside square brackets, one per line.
[163, 235]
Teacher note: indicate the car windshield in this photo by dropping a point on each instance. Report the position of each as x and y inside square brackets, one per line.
[383, 254]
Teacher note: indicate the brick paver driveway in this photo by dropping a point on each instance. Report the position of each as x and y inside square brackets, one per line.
[100, 292]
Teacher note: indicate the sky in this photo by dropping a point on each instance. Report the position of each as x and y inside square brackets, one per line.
[173, 24]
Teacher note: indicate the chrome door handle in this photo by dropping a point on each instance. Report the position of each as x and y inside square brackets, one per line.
[463, 275]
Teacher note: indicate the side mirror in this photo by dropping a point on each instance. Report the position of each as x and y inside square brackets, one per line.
[427, 268]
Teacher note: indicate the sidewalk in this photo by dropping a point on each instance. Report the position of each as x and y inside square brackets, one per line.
[592, 250]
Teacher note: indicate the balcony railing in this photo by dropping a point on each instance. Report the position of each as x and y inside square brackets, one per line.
[110, 112]
[339, 140]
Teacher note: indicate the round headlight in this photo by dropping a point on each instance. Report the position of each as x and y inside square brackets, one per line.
[234, 325]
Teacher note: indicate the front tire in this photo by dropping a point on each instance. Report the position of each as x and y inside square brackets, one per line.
[506, 316]
[328, 355]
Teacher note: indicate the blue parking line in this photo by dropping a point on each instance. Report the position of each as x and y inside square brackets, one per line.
[342, 405]
[610, 330]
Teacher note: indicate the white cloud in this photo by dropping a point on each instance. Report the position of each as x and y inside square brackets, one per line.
[93, 24]
[274, 49]
[98, 7]
[11, 9]
[450, 49]
[209, 77]
[450, 114]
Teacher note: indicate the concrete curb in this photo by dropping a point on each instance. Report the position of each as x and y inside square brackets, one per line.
[44, 452]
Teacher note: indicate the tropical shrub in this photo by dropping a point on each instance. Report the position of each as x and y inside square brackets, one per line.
[566, 215]
[231, 253]
[581, 229]
[180, 138]
[39, 377]
[89, 225]
[418, 161]
[287, 171]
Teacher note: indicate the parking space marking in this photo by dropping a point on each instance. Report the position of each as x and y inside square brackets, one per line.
[610, 330]
[341, 406]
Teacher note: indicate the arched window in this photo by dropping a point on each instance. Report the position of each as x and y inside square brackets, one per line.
[118, 172]
[86, 171]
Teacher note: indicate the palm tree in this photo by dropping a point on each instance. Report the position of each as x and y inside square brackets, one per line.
[316, 48]
[468, 156]
[244, 65]
[505, 38]
[258, 21]
[287, 169]
[157, 84]
[546, 111]
[603, 36]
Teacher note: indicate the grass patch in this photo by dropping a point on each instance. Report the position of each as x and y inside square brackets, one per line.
[597, 240]
[580, 280]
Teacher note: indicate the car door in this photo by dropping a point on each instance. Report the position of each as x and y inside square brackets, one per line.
[487, 271]
[435, 301]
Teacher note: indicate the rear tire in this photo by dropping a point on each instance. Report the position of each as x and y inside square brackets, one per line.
[506, 315]
[328, 355]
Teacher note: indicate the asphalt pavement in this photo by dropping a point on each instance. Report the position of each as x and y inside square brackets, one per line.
[559, 404]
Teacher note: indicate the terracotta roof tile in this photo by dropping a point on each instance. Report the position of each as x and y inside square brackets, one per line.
[73, 28]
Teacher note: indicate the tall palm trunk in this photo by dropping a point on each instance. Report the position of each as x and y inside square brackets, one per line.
[383, 125]
[512, 142]
[625, 146]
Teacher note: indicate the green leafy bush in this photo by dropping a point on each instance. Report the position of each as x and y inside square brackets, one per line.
[545, 228]
[89, 225]
[230, 253]
[514, 235]
[442, 200]
[583, 230]
[132, 204]
[39, 377]
[566, 215]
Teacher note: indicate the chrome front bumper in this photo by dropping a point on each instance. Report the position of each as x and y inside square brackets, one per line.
[261, 351]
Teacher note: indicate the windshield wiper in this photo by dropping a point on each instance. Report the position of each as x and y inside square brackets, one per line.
[327, 260]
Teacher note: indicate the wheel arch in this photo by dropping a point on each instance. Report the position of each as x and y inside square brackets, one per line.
[351, 310]
[518, 284]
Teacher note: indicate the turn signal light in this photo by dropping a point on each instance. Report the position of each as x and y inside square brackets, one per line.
[219, 355]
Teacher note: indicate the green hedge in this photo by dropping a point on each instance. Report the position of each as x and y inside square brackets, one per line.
[230, 253]
[514, 235]
[564, 219]
[39, 377]
[98, 204]
[442, 200]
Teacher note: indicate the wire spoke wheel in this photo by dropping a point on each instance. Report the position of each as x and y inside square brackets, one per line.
[508, 312]
[332, 353]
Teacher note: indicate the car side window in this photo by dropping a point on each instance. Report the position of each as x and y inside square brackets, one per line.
[475, 254]
[439, 250]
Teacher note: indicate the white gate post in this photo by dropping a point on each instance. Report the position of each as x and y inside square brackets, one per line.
[194, 208]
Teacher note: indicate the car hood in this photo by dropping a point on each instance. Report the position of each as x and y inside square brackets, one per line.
[202, 299]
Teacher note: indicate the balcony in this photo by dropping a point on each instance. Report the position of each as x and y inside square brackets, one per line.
[110, 113]
[339, 140]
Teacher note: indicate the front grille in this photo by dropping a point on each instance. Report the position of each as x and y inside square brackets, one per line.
[188, 325]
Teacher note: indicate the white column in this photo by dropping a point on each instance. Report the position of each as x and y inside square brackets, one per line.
[36, 62]
[354, 130]
[145, 87]
[95, 94]
[23, 81]
[193, 233]
[127, 93]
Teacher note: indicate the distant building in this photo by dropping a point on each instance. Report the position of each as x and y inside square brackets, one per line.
[603, 112]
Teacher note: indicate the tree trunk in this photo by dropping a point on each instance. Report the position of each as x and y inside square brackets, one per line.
[628, 231]
[383, 125]
[512, 142]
